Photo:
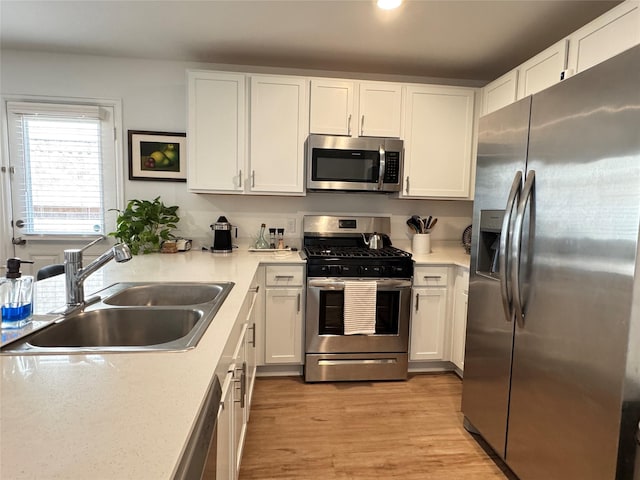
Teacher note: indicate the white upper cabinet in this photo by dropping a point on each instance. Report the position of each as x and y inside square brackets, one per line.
[606, 36]
[279, 128]
[500, 93]
[332, 107]
[543, 70]
[380, 109]
[216, 131]
[438, 140]
[218, 136]
[603, 38]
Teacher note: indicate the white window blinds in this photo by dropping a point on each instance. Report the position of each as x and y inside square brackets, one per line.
[60, 154]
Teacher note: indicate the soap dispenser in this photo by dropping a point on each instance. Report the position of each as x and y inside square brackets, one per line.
[16, 293]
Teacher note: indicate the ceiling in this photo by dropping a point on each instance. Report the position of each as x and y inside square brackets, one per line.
[465, 39]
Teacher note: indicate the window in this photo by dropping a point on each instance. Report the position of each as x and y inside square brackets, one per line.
[64, 170]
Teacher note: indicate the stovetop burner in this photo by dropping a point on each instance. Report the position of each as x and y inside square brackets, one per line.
[325, 251]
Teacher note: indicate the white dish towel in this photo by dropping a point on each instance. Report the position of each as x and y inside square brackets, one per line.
[360, 307]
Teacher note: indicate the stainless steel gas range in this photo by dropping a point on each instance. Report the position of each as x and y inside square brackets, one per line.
[341, 268]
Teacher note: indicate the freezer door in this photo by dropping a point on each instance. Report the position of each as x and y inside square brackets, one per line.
[502, 150]
[577, 276]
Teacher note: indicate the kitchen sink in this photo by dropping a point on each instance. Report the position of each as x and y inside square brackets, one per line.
[156, 294]
[132, 317]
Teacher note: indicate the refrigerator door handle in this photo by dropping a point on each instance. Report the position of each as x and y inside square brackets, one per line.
[516, 246]
[503, 259]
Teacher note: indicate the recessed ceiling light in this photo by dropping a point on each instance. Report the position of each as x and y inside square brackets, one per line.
[389, 4]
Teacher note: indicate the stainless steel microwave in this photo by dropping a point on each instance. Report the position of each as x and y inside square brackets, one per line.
[363, 164]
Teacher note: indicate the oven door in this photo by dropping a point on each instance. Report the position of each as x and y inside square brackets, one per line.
[325, 317]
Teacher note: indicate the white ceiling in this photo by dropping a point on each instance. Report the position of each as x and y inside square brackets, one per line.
[466, 39]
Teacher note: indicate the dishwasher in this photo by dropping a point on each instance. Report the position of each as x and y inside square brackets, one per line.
[200, 454]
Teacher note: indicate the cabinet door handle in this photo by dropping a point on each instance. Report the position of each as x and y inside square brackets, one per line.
[407, 185]
[253, 178]
[417, 301]
[299, 301]
[362, 126]
[349, 125]
[240, 178]
[253, 335]
[433, 277]
[284, 277]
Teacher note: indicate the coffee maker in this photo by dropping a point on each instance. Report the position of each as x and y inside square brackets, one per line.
[221, 236]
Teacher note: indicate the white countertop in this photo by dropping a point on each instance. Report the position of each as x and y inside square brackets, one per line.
[117, 415]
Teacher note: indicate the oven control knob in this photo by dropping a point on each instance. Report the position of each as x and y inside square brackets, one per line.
[362, 270]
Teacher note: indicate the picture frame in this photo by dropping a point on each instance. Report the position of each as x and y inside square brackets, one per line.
[157, 156]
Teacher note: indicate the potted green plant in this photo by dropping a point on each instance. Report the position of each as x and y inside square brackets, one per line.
[143, 225]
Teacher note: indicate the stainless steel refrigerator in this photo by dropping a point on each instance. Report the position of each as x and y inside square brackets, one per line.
[552, 363]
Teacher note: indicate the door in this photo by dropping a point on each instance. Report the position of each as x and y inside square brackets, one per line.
[283, 325]
[428, 319]
[380, 110]
[500, 93]
[438, 132]
[543, 70]
[216, 131]
[59, 179]
[225, 448]
[502, 152]
[331, 107]
[577, 275]
[277, 147]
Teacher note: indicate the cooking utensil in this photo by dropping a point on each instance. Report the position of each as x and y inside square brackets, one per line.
[427, 222]
[412, 225]
[419, 223]
[375, 241]
[432, 224]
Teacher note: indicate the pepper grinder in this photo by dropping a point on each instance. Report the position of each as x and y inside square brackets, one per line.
[280, 238]
[272, 238]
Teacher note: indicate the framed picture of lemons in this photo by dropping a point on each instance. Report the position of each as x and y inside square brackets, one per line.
[157, 156]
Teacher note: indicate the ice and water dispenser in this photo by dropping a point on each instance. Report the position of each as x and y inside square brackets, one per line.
[489, 242]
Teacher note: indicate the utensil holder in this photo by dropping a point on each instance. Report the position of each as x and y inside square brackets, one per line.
[421, 243]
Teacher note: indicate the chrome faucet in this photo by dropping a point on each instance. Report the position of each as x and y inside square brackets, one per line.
[75, 274]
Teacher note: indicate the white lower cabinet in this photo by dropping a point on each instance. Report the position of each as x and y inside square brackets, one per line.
[237, 387]
[225, 453]
[284, 307]
[428, 314]
[459, 318]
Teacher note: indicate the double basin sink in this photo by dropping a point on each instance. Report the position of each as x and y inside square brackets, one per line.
[131, 317]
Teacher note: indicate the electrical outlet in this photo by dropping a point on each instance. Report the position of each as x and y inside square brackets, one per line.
[291, 226]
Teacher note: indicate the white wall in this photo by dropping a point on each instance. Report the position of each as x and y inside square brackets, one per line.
[153, 95]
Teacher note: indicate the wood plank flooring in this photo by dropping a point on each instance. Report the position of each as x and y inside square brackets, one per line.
[362, 430]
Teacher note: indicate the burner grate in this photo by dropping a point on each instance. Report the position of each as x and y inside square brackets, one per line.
[354, 252]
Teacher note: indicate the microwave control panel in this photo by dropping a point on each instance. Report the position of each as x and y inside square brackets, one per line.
[392, 167]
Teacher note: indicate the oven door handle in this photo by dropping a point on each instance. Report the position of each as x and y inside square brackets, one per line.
[338, 284]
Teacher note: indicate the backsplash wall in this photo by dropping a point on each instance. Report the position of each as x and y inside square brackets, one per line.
[153, 96]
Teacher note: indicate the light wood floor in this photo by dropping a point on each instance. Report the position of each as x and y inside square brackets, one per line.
[362, 430]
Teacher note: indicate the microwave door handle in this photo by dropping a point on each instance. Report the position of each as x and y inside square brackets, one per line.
[382, 167]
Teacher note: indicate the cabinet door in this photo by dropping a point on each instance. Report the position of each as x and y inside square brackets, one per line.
[501, 92]
[428, 318]
[279, 128]
[251, 351]
[283, 325]
[380, 109]
[438, 138]
[606, 36]
[225, 460]
[459, 327]
[216, 131]
[239, 371]
[543, 70]
[331, 107]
